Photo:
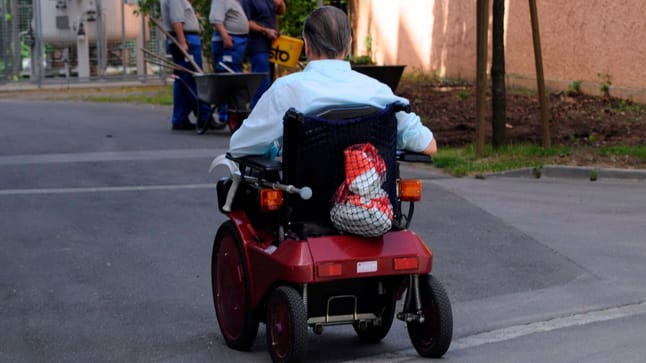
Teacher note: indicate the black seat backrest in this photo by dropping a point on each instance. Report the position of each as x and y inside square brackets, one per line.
[313, 156]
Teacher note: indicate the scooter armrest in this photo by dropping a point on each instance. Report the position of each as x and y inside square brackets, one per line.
[257, 162]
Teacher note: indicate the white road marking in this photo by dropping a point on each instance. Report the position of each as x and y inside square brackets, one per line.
[131, 188]
[517, 331]
[108, 156]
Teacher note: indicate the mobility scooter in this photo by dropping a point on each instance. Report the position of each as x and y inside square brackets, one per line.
[279, 260]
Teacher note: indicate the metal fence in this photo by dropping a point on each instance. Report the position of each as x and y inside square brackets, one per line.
[49, 41]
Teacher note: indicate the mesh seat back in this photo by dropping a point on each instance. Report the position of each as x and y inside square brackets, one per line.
[313, 154]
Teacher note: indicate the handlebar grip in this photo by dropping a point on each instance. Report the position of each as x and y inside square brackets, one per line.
[413, 157]
[305, 192]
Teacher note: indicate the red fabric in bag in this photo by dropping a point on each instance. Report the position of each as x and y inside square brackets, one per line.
[361, 206]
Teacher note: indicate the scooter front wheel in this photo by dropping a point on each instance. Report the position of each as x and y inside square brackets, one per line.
[432, 337]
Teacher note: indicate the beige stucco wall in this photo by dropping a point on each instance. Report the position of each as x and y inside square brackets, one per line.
[582, 40]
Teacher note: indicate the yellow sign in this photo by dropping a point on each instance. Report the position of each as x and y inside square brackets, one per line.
[285, 51]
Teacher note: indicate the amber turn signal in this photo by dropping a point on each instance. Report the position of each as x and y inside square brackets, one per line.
[410, 190]
[270, 200]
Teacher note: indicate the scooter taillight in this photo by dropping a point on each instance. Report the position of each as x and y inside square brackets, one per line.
[405, 263]
[329, 269]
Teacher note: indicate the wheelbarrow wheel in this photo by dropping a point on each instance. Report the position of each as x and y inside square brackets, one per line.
[286, 326]
[372, 333]
[236, 117]
[432, 337]
[231, 289]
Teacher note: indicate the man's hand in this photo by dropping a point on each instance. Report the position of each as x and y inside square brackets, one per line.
[179, 35]
[183, 44]
[270, 33]
[227, 41]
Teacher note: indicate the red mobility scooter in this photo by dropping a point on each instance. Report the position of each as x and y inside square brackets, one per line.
[279, 260]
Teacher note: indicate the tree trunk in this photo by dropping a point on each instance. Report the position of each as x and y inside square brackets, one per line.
[498, 92]
[482, 27]
[538, 59]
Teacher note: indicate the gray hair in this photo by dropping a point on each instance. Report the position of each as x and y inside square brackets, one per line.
[327, 32]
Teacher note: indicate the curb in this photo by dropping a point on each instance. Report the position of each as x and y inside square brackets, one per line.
[61, 85]
[575, 172]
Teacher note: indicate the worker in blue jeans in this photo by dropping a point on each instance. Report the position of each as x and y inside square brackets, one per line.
[263, 29]
[179, 19]
[229, 41]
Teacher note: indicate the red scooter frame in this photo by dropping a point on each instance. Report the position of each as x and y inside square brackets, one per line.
[267, 270]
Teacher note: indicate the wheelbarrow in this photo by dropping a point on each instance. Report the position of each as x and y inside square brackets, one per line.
[232, 89]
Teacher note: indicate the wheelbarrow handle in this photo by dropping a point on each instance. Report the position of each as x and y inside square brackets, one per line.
[172, 38]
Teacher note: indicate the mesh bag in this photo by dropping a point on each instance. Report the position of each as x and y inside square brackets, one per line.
[361, 205]
[313, 147]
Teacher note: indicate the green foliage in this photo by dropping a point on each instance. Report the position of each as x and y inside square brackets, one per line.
[462, 161]
[149, 7]
[368, 43]
[593, 175]
[418, 78]
[574, 88]
[604, 84]
[25, 50]
[361, 60]
[463, 95]
[623, 150]
[291, 23]
[629, 106]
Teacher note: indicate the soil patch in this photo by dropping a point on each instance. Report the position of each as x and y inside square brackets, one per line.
[585, 123]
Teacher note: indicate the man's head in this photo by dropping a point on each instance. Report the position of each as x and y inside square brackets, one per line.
[327, 34]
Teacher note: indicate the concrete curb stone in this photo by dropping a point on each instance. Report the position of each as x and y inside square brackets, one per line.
[574, 172]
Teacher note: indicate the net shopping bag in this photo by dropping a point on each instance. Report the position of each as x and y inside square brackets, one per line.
[361, 205]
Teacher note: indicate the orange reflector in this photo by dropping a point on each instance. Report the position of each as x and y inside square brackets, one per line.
[405, 263]
[410, 190]
[329, 269]
[270, 200]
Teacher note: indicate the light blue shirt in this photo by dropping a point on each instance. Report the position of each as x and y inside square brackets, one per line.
[322, 83]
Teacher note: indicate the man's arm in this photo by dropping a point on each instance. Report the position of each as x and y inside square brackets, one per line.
[280, 7]
[178, 28]
[431, 149]
[226, 37]
[268, 32]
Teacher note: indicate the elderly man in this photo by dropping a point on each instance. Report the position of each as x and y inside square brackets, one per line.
[326, 80]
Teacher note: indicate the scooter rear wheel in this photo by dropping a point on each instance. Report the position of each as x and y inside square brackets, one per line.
[432, 337]
[231, 289]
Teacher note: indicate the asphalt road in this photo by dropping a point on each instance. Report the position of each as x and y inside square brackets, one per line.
[107, 219]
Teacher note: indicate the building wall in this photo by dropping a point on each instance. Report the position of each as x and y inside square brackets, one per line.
[590, 41]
